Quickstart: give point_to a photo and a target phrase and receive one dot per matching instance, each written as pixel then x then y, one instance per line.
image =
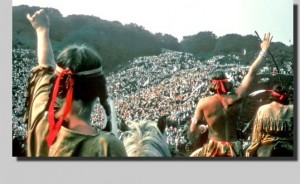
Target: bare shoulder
pixel 205 101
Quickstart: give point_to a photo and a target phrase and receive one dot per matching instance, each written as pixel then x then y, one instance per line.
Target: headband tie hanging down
pixel 61 72
pixel 220 83
pixel 55 126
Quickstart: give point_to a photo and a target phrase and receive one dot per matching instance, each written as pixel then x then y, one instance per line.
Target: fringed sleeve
pixel 271 124
pixel 256 135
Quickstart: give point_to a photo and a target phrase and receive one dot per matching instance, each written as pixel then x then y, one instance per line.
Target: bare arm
pixel 40 22
pixel 198 116
pixel 242 90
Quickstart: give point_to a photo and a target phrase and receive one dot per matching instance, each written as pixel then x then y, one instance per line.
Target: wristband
pixel 262 53
pixel 194 120
pixel 202 128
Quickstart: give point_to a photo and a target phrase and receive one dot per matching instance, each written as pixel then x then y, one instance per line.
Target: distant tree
pixel 168 41
pixel 23 34
pixel 282 53
pixel 116 43
pixel 57 28
pixel 230 43
pixel 249 47
pixel 119 43
pixel 250 43
pixel 203 42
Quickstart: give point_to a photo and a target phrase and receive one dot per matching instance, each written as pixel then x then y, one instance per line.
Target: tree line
pixel 118 43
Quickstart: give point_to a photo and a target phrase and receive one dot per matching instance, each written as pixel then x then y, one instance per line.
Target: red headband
pixel 61 72
pixel 220 83
pixel 274 93
pixel 55 126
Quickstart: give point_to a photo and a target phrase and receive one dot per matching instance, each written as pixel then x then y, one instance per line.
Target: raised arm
pixel 40 22
pixel 242 90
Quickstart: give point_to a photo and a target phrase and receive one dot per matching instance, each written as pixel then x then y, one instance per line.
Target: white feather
pixel 257 92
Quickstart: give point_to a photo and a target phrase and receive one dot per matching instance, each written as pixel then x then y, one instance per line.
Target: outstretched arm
pixel 40 22
pixel 242 90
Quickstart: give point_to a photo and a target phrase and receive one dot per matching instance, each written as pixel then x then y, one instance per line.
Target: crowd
pixel 22 61
pixel 169 84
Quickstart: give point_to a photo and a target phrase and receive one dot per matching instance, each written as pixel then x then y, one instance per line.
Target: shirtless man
pixel 217 113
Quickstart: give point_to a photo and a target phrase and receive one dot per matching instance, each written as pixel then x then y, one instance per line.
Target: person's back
pixel 219 113
pixel 70 143
pixel 272 131
pixel 220 117
pixel 61 96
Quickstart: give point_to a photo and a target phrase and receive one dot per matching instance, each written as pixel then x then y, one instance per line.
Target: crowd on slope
pixel 169 84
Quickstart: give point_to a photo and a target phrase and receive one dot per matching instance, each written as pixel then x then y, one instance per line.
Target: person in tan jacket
pixel 272 131
pixel 60 99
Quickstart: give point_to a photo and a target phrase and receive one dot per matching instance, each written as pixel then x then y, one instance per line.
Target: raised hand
pixel 39 20
pixel 265 44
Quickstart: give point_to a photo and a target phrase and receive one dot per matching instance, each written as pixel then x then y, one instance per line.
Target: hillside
pixel 118 43
pixel 168 84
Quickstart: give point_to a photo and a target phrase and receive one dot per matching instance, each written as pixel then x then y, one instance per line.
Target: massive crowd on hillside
pixel 22 62
pixel 169 84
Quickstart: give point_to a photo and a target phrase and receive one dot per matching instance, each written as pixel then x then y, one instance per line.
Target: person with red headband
pixel 218 113
pixel 60 99
pixel 272 130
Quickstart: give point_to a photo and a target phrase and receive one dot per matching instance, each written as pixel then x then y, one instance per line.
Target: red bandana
pixel 274 93
pixel 55 126
pixel 219 82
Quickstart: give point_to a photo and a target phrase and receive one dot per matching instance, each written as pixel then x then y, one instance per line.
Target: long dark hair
pixel 215 87
pixel 80 58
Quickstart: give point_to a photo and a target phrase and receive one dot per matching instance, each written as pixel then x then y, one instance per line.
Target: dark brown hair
pixel 214 87
pixel 284 99
pixel 80 58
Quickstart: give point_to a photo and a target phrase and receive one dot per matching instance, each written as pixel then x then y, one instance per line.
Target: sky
pixel 187 17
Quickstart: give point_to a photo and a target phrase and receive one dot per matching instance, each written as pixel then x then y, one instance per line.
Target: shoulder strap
pixel 239 133
pixel 224 108
pixel 218 98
